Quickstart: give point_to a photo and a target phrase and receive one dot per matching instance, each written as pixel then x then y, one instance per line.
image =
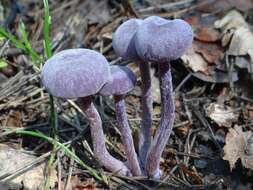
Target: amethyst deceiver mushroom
pixel 124 46
pixel 160 41
pixel 81 73
pixel 122 82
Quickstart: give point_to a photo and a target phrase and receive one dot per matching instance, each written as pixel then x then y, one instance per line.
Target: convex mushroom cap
pixel 123 39
pixel 75 73
pixel 162 40
pixel 121 82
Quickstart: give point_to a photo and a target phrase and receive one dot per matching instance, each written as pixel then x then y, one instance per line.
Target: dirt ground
pixel 211 146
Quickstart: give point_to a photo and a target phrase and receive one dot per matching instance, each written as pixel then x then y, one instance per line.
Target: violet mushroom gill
pixel 122 82
pixel 124 46
pixel 81 73
pixel 160 41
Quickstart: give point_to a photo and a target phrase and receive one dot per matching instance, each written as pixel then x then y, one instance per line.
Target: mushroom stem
pixel 126 135
pixel 145 136
pixel 97 135
pixel 167 119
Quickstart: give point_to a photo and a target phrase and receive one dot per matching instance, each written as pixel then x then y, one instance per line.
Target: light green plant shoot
pixel 28 48
pixel 47 24
pixel 3 64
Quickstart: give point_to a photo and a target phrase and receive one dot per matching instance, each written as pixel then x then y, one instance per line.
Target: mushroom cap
pixel 123 39
pixel 162 40
pixel 75 73
pixel 121 82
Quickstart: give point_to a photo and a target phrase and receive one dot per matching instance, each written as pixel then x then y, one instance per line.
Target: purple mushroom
pixel 123 81
pixel 81 73
pixel 160 41
pixel 124 46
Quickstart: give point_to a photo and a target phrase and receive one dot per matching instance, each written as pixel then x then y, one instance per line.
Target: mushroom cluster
pixel 83 73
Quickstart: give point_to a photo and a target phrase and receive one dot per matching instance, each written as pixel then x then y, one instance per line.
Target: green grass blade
pixel 35 57
pixel 47 24
pixel 23 45
pixel 12 38
pixel 65 149
pixel 48 53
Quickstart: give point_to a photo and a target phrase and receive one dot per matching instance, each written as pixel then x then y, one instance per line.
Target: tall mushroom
pixel 160 41
pixel 122 82
pixel 81 73
pixel 124 46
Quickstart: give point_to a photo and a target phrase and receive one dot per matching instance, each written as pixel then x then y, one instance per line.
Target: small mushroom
pixel 123 81
pixel 160 41
pixel 124 46
pixel 81 73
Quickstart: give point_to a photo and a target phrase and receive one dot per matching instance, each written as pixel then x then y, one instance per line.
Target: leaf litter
pixel 239 146
pixel 220 58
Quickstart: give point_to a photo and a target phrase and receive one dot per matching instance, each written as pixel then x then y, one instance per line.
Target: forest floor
pixel 211 146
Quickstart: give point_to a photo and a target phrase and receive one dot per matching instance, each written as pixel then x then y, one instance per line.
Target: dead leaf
pixel 201 56
pixel 86 187
pixel 239 145
pixel 236 32
pixel 211 6
pixel 12 160
pixel 229 24
pixel 216 76
pixel 207 34
pixel 223 116
pixel 232 20
pixel 77 184
pixel 192 174
pixel 211 52
pixel 204 27
pixel 182 130
pixel 195 61
pixel 242 42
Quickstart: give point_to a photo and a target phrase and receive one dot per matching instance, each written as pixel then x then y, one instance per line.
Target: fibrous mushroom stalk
pixel 97 135
pixel 167 119
pixel 145 136
pixel 126 135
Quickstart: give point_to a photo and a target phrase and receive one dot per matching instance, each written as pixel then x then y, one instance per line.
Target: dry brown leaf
pixel 221 115
pixel 192 174
pixel 12 160
pixel 204 28
pixel 207 34
pixel 211 52
pixel 239 145
pixel 86 187
pixel 195 61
